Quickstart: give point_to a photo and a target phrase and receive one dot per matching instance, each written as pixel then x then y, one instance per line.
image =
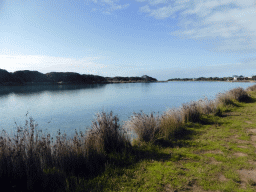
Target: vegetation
pixel 144 78
pixel 34 77
pixel 239 78
pixel 203 145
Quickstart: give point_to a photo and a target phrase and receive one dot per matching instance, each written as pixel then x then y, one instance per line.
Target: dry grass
pixel 150 128
pixel 191 112
pixel 238 94
pixel 30 160
pixel 252 88
pixel 146 127
pixel 171 124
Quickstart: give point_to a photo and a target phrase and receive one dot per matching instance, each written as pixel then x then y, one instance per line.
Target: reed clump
pixel 146 127
pixel 172 123
pixel 252 88
pixel 228 98
pixel 32 161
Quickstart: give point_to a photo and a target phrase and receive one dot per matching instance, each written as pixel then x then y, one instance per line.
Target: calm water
pixel 67 107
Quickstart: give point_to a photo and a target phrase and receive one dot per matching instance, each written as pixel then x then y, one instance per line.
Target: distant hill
pixel 31 76
pixel 70 77
pixel 27 77
pixel 144 78
pixel 7 78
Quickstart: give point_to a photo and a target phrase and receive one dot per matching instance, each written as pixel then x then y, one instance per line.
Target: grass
pixel 202 146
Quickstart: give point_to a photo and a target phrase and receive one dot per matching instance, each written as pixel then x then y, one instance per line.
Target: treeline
pixel 131 79
pixel 27 77
pixel 239 78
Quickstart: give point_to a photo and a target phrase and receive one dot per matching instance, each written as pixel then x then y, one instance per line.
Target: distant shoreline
pixel 26 77
pixel 238 81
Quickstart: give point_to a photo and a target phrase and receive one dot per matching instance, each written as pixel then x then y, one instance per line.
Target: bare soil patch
pixel 222 178
pixel 252 162
pixel 253 137
pixel 239 154
pixel 236 140
pixel 252 130
pixel 214 152
pixel 247 176
pixel 214 162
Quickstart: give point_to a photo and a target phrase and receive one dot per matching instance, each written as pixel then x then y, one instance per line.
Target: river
pixel 69 107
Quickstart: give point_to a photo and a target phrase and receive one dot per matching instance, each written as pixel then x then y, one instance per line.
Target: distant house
pixel 144 76
pixel 235 77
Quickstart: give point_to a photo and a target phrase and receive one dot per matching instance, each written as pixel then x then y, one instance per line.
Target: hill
pixel 27 77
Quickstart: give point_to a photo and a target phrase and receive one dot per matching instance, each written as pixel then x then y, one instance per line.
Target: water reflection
pixel 70 107
pixel 37 89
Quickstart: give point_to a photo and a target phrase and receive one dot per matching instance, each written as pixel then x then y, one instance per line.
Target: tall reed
pixel 228 98
pixel 149 128
pixel 251 88
pixel 171 124
pixel 146 127
pixel 32 161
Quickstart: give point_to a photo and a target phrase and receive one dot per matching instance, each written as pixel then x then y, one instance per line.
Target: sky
pixel 161 38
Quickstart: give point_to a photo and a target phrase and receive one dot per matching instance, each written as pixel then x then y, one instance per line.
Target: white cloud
pixel 108 6
pixel 145 9
pixel 229 24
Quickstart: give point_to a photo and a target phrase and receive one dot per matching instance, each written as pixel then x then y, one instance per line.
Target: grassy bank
pixel 202 146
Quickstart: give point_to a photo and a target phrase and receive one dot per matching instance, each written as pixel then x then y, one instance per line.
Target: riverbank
pixel 169 153
pixel 216 154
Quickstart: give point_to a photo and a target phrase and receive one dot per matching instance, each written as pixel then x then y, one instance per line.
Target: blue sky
pixel 161 38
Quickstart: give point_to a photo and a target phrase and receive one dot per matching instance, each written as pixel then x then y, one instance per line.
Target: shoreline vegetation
pixel 105 158
pixel 27 77
pixel 230 79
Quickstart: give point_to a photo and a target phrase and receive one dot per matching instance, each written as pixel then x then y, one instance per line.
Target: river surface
pixel 69 107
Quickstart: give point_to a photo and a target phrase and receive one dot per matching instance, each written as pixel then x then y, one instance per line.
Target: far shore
pixel 238 81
